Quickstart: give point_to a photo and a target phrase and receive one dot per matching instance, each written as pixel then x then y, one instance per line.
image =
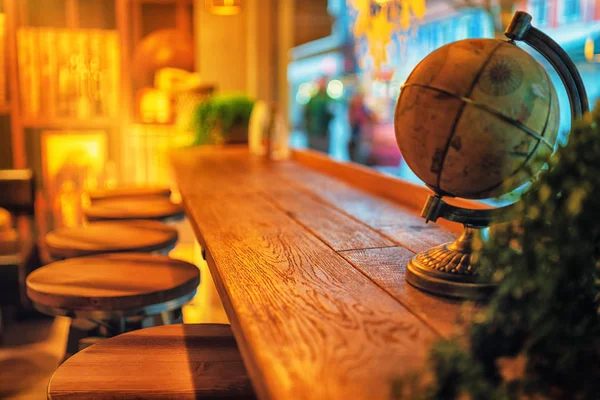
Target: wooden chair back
pixel 17 191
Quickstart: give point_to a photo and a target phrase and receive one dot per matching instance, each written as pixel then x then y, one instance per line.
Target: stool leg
pixel 89 341
pixel 75 335
pixel 1 327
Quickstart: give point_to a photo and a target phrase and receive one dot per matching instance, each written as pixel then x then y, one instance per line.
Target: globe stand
pixel 448 269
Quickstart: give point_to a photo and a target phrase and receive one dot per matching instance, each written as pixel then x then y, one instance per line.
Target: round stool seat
pixel 150 207
pixel 112 286
pixel 110 237
pixel 132 192
pixel 165 362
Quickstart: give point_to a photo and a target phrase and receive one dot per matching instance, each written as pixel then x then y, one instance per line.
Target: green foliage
pixel 539 337
pixel 223 112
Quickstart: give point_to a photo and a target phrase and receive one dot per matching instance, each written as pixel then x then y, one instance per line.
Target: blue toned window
pixel 571 11
pixel 475 25
pixel 539 11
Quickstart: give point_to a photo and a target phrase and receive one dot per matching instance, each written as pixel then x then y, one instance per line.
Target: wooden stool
pixel 128 192
pixel 110 237
pixel 166 362
pixel 150 207
pixel 117 292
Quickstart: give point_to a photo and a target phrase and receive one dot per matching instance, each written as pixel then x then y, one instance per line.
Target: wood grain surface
pixel 332 226
pixel 165 362
pixel 111 282
pixel 110 237
pixel 150 207
pixel 306 314
pixel 395 221
pixel 382 185
pixel 310 270
pixel 387 268
pixel 128 192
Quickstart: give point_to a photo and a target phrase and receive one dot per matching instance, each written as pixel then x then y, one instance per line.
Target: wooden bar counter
pixel 308 256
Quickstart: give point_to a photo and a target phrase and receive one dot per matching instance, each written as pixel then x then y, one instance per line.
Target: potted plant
pixel 223 119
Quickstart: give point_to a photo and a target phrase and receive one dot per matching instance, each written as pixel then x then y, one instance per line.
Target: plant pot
pixel 238 134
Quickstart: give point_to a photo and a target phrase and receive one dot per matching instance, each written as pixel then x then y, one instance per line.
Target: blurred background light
pixel 335 89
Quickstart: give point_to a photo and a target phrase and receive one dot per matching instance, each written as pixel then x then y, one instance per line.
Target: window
pixel 571 11
pixel 539 11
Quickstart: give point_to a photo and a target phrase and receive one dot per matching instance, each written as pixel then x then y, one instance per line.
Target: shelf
pixel 70 123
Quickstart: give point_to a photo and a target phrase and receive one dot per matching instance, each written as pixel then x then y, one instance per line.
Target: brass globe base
pixel 446 270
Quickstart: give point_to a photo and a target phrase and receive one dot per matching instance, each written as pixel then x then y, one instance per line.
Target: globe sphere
pixel 476 118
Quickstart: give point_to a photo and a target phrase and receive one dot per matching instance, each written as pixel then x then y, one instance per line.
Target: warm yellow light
pixel 155 106
pixel 72 161
pixel 223 7
pixel 68 154
pixel 378 28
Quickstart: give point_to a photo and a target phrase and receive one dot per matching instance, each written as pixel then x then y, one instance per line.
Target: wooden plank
pixel 12 8
pixel 387 268
pixel 72 13
pixel 373 181
pixel 399 223
pixel 223 169
pixel 232 170
pixel 335 228
pixel 382 185
pixel 309 325
pixel 414 234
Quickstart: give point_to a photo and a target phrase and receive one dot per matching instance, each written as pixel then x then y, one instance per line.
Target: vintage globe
pixel 476 118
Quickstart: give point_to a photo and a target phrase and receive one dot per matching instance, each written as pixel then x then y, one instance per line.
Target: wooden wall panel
pixel 247 52
pixel 221 45
pixel 312 21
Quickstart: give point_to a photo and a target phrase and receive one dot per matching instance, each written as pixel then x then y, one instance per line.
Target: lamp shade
pixel 223 7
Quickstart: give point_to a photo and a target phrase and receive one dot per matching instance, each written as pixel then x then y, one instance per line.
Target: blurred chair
pixel 123 209
pixel 110 237
pixel 19 255
pixel 17 191
pixel 128 192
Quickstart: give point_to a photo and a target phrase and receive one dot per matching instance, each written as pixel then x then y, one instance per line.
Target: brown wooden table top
pixel 149 207
pixel 110 237
pixel 309 257
pixel 111 282
pixel 165 362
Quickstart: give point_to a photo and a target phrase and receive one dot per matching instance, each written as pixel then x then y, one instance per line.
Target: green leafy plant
pixel 221 114
pixel 539 337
